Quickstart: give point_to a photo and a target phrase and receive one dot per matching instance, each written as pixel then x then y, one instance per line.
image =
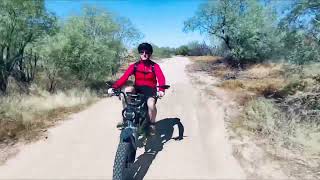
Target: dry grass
pixel 200 66
pixel 268 80
pixel 205 58
pixel 270 141
pixel 260 79
pixel 260 71
pixel 223 72
pixel 211 64
pixel 263 121
pixel 24 116
pixel 283 120
pixel 289 125
pixel 266 119
pixel 262 86
pixel 279 107
pixel 232 84
pixel 258 86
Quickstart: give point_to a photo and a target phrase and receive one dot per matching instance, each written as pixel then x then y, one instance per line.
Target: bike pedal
pixel 120 126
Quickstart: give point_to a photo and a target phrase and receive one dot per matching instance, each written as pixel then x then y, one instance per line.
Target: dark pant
pixel 146 91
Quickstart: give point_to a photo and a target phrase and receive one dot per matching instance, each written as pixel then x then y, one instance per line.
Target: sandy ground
pixel 84 146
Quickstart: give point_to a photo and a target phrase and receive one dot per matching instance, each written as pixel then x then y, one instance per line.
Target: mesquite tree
pixel 21 24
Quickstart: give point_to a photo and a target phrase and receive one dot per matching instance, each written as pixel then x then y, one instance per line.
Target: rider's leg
pixel 152 109
pixel 151 102
pixel 126 89
pixel 129 89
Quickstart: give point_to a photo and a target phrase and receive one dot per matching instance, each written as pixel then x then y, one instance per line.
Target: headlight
pixel 128 114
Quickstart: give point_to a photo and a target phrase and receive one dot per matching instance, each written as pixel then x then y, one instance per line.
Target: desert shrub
pixel 305 106
pixel 162 52
pixel 293 86
pixel 317 78
pixel 283 126
pixel 199 49
pixel 261 116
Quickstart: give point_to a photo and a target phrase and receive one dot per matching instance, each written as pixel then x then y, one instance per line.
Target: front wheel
pixel 123 158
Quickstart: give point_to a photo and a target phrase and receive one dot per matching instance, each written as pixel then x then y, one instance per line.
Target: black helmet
pixel 145 47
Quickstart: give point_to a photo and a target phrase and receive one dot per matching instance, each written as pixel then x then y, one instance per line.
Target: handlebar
pixel 118 92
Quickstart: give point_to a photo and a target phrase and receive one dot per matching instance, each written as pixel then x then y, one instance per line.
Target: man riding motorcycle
pixel 147 74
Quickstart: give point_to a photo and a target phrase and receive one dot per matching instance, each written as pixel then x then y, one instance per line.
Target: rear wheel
pixel 124 156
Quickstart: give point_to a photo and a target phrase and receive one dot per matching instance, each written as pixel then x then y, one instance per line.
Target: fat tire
pixel 122 155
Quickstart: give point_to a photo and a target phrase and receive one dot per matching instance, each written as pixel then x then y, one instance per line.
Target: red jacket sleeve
pixel 160 77
pixel 124 77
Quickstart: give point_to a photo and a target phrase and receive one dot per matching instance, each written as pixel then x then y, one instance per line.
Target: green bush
pixel 182 50
pixel 88 48
pixel 162 52
pixel 301 49
pixel 199 49
pixel 247 28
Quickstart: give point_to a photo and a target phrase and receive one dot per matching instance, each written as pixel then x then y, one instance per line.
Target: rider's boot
pixel 152 129
pixel 120 124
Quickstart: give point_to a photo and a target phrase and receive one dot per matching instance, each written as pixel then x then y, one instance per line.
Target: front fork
pixel 130 134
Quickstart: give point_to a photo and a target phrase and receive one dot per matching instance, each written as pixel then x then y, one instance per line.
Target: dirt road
pixel 84 146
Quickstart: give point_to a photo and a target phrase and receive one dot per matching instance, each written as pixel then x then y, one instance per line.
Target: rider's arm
pixel 124 77
pixel 160 77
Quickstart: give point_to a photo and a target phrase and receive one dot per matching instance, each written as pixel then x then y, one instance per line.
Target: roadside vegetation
pixel 269 63
pixel 24 117
pixel 158 52
pixel 51 67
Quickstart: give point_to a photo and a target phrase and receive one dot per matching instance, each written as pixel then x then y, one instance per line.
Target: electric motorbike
pixel 135 124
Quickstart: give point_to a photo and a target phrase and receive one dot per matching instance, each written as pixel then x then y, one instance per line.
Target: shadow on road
pixel 154 145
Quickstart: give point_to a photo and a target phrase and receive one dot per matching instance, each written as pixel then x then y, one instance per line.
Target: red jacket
pixel 143 76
